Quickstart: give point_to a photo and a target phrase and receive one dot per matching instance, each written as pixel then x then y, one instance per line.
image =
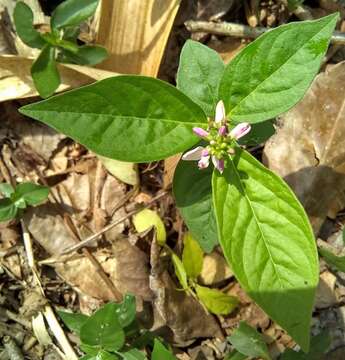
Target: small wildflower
pixel 200 132
pixel 239 130
pixel 221 141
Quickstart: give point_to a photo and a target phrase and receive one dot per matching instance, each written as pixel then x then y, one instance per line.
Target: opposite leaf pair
pixel 18 198
pixel 112 333
pixel 187 272
pixel 58 45
pixel 258 221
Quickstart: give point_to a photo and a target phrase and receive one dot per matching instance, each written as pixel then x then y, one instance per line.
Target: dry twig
pixel 93 237
pixel 242 31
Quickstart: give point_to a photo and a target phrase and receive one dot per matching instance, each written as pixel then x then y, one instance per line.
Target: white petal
pixel 204 162
pixel 194 154
pixel 220 112
pixel 215 162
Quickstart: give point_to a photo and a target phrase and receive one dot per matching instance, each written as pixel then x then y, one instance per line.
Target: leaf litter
pixel 89 196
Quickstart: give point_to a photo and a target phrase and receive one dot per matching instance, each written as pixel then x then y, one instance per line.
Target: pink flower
pixel 203 155
pixel 240 130
pixel 200 132
pixel 221 142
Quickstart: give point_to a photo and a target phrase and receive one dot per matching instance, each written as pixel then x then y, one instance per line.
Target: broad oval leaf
pixel 129 118
pixel 73 321
pixel 199 74
pixel 6 189
pixel 86 55
pixel 105 355
pixel 8 210
pixel 249 342
pixel 23 18
pixel 126 310
pixel 103 329
pixel 125 171
pixel 32 194
pixel 72 12
pixel 268 241
pixel 192 256
pixel 133 354
pixel 160 352
pixel 44 72
pixel 147 218
pixel 272 73
pixel 216 301
pixel 193 193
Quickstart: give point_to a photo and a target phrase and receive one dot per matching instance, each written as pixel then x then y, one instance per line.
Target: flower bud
pixel 200 132
pixel 240 130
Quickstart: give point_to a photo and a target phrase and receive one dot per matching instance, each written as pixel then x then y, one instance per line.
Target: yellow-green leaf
pixel 216 301
pixel 180 271
pixel 125 171
pixel 192 256
pixel 145 219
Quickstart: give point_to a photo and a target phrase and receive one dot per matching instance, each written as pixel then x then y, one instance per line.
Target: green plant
pixel 112 332
pixel 258 221
pixel 17 199
pixel 187 272
pixel 58 45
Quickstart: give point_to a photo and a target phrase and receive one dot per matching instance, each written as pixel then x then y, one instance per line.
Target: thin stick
pixel 242 31
pixel 48 311
pixel 59 333
pixel 93 237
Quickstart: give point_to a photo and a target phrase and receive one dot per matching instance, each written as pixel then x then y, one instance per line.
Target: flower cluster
pixel 221 140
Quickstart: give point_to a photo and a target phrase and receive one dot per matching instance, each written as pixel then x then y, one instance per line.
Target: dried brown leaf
pixel 175 309
pixel 308 149
pixel 16 81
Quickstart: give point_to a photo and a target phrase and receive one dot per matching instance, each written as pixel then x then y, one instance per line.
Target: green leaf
pixel 45 73
pixel 192 256
pixel 124 171
pixel 103 329
pixel 104 355
pixel 88 357
pixel 319 345
pixel 73 321
pixel 193 193
pixel 129 118
pixel 23 18
pixel 87 55
pixel 180 271
pixel 332 260
pixel 272 74
pixel 133 354
pixel 31 193
pixel 71 47
pixel 6 189
pixel 147 219
pixel 268 241
pixel 216 301
pixel 249 342
pixel 126 310
pixel 72 13
pixel 160 352
pixel 8 210
pixel 235 355
pixel 199 74
pixel 259 133
pixel 90 350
